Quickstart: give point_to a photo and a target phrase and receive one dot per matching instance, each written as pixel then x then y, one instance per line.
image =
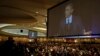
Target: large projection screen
pixel 74 17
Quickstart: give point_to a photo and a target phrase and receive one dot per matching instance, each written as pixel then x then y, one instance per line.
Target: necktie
pixel 68 25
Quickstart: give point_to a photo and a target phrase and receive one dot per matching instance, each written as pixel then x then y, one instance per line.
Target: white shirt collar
pixel 69 20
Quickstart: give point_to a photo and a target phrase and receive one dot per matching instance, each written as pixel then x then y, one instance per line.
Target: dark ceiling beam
pixel 23 10
pixel 18 20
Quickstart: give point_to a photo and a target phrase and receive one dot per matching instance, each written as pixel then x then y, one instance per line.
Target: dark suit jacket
pixel 75 28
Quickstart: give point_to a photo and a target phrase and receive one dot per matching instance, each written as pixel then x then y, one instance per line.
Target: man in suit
pixel 67 21
pixel 72 24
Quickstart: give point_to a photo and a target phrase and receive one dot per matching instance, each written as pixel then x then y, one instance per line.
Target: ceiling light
pixel 39 28
pixel 44 23
pixel 36 12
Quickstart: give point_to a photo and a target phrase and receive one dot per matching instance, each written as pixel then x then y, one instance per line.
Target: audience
pixel 11 48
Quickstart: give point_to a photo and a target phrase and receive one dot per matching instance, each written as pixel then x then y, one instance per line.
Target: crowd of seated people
pixel 66 51
pixel 11 48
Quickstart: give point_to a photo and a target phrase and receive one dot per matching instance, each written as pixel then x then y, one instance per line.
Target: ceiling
pixel 28 14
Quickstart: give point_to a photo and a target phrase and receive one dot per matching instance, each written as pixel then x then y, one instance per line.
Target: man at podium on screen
pixel 73 24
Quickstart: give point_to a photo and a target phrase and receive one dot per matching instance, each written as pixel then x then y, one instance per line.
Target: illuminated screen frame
pixel 69 36
pixel 30 33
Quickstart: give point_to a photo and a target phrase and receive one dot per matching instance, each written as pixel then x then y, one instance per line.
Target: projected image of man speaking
pixel 73 25
pixel 74 18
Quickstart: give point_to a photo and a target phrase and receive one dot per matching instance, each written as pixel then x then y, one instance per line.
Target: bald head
pixel 68 10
